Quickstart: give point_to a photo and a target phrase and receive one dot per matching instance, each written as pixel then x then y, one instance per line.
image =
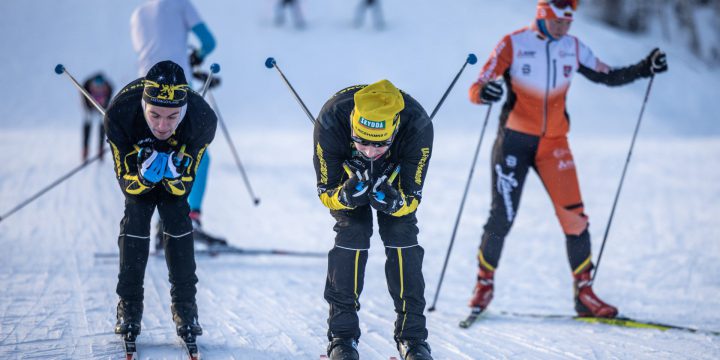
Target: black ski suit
pixel 127 132
pixel 411 149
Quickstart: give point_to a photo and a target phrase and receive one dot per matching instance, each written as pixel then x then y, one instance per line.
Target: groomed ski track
pixel 661 261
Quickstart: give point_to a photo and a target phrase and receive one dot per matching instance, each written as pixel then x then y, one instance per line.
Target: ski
pixel 191 347
pixel 216 250
pixel 130 348
pixel 474 314
pixel 618 321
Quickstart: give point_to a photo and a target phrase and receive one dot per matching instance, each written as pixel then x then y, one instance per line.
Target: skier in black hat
pixel 158 130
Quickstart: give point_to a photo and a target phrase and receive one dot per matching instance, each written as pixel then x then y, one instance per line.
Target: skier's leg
pixel 179 248
pixel 403 272
pixel 556 167
pixel 180 259
pixel 197 192
pixel 346 271
pixel 297 15
pixel 134 245
pixel 512 155
pixel 360 13
pixel 101 137
pixel 379 19
pixel 85 136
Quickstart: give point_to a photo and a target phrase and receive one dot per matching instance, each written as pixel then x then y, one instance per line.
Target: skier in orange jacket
pixel 537 64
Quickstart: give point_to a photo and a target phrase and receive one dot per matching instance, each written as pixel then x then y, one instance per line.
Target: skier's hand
pixel 491 92
pixel 655 63
pixel 385 197
pixel 354 191
pixel 151 166
pixel 195 58
pixel 176 166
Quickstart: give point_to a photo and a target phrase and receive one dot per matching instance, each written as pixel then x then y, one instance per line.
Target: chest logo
pixel 526 69
pixel 567 70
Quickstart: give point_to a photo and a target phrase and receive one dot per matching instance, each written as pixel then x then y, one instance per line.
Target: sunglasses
pixel 376 144
pixel 561 4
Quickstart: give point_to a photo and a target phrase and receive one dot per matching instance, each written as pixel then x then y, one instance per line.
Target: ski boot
pixel 483 292
pixel 186 319
pixel 129 314
pixel 343 349
pixel 200 235
pixel 414 349
pixel 587 304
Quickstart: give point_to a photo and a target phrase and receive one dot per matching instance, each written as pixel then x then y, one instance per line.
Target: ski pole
pixel 214 69
pixel 460 211
pixel 270 63
pixel 471 59
pixel 622 177
pixel 256 200
pixel 60 69
pixel 47 188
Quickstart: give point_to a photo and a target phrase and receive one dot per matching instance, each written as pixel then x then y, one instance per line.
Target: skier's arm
pixel 328 167
pixel 499 61
pixel 207 41
pixel 597 71
pixel 414 162
pixel 125 155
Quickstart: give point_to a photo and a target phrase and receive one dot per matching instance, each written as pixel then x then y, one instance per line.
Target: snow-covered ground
pixel 660 263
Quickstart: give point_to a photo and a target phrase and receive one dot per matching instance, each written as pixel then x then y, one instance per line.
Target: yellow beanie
pixel 376 106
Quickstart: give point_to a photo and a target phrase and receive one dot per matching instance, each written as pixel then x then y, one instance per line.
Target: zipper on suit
pixel 547 90
pixel 554 73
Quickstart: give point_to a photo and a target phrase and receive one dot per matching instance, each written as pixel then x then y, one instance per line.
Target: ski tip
pixel 269 63
pixel 471 59
pixel 215 68
pixel 59 69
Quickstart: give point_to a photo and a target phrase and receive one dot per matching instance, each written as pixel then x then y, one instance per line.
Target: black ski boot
pixel 343 349
pixel 185 315
pixel 129 314
pixel 413 349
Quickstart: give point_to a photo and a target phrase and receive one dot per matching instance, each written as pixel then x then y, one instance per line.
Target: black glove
pixel 354 191
pixel 385 197
pixel 202 76
pixel 195 58
pixel 654 63
pixel 175 166
pixel 491 92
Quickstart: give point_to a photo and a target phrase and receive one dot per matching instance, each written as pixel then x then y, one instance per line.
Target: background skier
pixel 537 64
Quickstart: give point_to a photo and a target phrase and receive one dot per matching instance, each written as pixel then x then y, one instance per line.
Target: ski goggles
pixel 561 4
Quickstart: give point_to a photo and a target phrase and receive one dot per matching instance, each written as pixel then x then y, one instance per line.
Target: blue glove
pixel 175 166
pixel 151 166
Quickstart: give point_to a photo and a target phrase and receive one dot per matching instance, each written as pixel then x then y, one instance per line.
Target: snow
pixel 660 261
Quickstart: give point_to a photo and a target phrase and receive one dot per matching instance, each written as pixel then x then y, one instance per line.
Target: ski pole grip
pixel 269 62
pixel 471 59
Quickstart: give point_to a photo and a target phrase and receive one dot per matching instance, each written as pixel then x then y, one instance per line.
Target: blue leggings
pixel 198 189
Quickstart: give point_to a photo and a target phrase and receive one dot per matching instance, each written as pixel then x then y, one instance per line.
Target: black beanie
pixel 165 85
